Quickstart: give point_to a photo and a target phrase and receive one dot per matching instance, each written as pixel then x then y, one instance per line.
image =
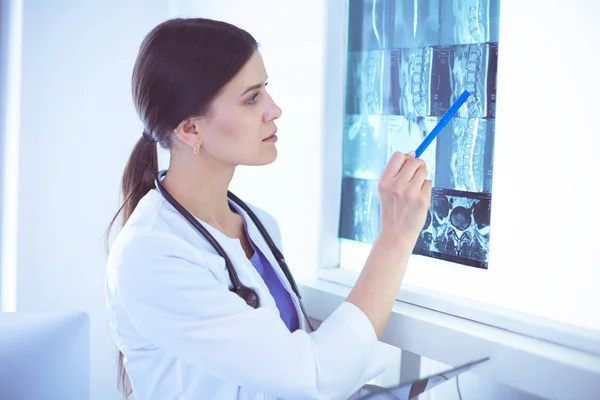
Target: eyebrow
pixel 254 87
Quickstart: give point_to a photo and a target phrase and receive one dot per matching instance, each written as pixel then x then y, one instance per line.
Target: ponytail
pixel 137 181
pixel 138 178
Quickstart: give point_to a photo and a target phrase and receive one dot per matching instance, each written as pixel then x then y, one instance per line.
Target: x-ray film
pixel 441 93
pixel 366 25
pixel 457 228
pixel 359 217
pixel 469 21
pixel 415 23
pixel 407 63
pixel 464 156
pixel 364 146
pixel 410 82
pixel 365 78
pixel 474 68
pixel 464 67
pixel 426 81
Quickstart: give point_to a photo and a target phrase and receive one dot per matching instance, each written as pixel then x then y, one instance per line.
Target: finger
pixel 420 176
pixel 426 188
pixel 394 165
pixel 409 168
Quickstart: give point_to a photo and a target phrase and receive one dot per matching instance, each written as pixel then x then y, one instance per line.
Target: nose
pixel 273 111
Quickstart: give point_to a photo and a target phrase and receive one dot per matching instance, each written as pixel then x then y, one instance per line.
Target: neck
pixel 201 188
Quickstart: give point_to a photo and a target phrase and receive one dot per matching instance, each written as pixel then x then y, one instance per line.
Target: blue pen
pixel 442 123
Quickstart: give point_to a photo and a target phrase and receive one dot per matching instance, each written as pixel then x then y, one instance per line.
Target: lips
pixel 271 136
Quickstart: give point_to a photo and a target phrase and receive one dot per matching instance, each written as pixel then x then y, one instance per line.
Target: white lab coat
pixel 186 336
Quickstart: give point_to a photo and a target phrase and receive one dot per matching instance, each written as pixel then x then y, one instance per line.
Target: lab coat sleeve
pixel 176 302
pixel 377 363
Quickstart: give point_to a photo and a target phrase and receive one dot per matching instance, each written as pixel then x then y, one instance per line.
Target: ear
pixel 188 131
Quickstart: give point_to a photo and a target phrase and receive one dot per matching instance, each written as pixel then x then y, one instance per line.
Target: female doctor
pixel 186 326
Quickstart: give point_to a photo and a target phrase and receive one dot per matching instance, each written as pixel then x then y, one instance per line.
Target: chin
pixel 270 159
pixel 265 158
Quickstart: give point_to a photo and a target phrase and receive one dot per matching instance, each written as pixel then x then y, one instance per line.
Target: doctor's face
pixel 240 126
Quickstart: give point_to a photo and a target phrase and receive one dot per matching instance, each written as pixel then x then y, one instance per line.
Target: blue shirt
pixel 284 302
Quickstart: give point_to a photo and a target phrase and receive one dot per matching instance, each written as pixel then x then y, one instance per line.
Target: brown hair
pixel 181 66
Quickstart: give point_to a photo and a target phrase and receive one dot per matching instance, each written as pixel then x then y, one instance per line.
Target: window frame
pixel 11 23
pixel 331 268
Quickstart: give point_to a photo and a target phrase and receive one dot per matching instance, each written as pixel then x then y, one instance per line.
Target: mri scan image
pixel 464 156
pixel 415 23
pixel 359 217
pixel 366 25
pixel 474 68
pixel 457 228
pixel 407 63
pixel 405 134
pixel 466 67
pixel 365 91
pixel 469 21
pixel 410 82
pixel 426 81
pixel 441 88
pixel 364 146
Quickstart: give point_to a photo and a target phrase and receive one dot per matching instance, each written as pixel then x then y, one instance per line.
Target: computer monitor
pixel 410 390
pixel 44 356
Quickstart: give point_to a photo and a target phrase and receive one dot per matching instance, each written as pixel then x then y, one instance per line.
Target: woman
pixel 183 333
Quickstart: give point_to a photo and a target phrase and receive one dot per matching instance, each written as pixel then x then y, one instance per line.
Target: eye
pixel 252 99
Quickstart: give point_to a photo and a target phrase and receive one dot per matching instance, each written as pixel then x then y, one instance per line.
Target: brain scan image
pixel 366 19
pixel 410 71
pixel 457 228
pixel 469 21
pixel 359 217
pixel 365 90
pixel 364 147
pixel 406 134
pixel 464 156
pixel 415 23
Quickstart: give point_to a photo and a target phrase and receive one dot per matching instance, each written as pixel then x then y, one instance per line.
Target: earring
pixel 197 148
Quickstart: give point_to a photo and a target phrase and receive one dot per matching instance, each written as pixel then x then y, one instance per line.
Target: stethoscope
pixel 248 294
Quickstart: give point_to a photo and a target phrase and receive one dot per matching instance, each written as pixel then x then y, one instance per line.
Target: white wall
pixel 5 39
pixel 78 127
pixel 10 102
